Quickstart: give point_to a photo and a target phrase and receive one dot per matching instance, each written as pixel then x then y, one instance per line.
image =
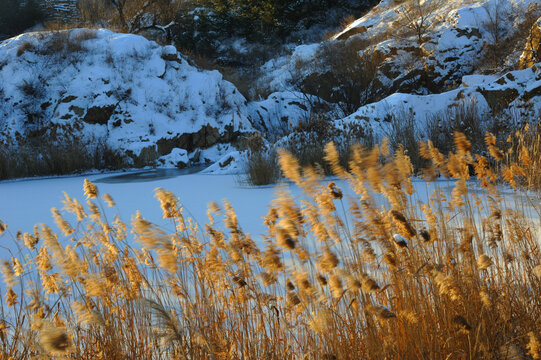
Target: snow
pixel 177 158
pixel 28 202
pixel 478 80
pixel 455 43
pixel 232 163
pixel 280 112
pixel 277 73
pixel 376 116
pixel 152 91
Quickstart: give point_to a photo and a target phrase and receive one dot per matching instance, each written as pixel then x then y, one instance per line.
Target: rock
pixel 352 32
pixel 196 156
pixel 534 91
pixel 99 115
pixel 68 99
pixel 120 94
pixel 146 156
pixel 226 162
pixel 499 100
pixel 177 158
pixel 231 163
pixel 206 137
pixel 77 110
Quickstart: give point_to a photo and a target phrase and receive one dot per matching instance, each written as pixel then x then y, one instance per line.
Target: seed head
pixel 369 284
pixel 381 312
pixel 462 144
pixel 284 240
pixel 335 191
pixel 462 323
pixel 328 261
pixel 109 200
pixel 91 190
pixel 335 283
pixel 292 299
pixel 537 271
pixel 55 340
pixel 3 227
pixel 483 262
pixel 400 241
pixel 534 346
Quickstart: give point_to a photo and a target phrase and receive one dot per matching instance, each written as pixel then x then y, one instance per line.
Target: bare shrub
pixel 343 72
pixel 262 165
pixel 417 16
pixel 48 153
pixel 262 168
pixel 404 134
pixel 133 16
pixel 464 118
pixel 527 152
pixel 64 42
pixel 85 35
pixel 32 88
pixel 307 141
pixel 24 47
pixel 506 45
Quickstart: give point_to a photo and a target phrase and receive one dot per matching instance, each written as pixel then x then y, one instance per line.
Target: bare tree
pixel 133 16
pixel 418 16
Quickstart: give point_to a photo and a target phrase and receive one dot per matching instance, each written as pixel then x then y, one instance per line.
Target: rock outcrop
pixel 140 98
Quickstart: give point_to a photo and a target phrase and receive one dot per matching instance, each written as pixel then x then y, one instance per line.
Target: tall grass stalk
pixel 455 277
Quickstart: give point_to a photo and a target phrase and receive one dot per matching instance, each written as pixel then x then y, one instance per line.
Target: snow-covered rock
pixel 132 93
pixel 178 158
pixel 232 163
pixel 453 43
pixel 454 40
pixel 517 93
pixel 280 112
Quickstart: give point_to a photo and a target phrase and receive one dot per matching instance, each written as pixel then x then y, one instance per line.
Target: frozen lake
pixel 26 202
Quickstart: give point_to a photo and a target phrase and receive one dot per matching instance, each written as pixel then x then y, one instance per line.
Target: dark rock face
pixel 99 115
pixel 528 95
pixel 499 100
pixel 207 136
pixel 226 162
pixel 146 156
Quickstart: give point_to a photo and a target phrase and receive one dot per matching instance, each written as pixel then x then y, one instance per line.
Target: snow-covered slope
pixel 514 96
pixel 123 89
pixel 281 112
pixel 454 39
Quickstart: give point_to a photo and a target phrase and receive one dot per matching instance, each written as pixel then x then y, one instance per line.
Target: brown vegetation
pixel 53 154
pixel 344 72
pixel 457 277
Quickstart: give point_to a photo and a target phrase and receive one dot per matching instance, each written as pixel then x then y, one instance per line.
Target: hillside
pixel 138 98
pixel 430 68
pixel 413 70
pixel 414 46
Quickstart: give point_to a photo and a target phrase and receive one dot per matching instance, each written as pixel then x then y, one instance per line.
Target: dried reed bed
pixel 458 277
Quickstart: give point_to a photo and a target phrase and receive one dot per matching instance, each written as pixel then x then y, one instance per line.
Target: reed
pixel 377 275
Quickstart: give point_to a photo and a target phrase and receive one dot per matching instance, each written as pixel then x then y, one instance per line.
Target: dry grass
pixel 262 165
pixel 56 154
pixel 458 277
pixel 526 146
